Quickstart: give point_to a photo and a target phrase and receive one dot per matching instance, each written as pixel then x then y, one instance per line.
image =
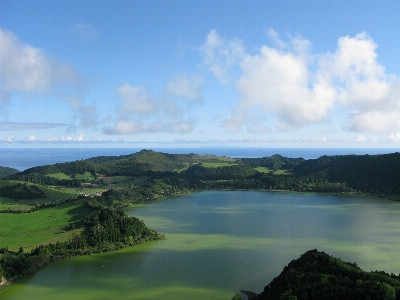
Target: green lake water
pixel 221 241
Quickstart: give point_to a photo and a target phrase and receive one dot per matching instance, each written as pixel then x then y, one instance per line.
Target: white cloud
pixel 87 114
pixel 394 138
pixel 275 38
pixel 280 82
pixel 26 68
pixel 221 54
pixel 136 100
pixel 296 88
pixel 363 84
pixel 31 138
pixel 9 139
pixel 141 113
pixel 361 139
pixel 186 86
pixel 79 138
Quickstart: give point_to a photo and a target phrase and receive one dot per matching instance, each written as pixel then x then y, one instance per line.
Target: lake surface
pixel 221 241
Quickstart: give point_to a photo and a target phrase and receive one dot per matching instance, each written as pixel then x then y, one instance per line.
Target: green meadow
pixel 267 170
pixel 62 176
pixel 217 164
pixel 52 193
pixel 42 226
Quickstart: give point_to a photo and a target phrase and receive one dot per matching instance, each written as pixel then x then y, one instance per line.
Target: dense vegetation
pixel 21 191
pixel 317 275
pixel 139 163
pixel 373 174
pixel 221 173
pixel 5 171
pixel 275 162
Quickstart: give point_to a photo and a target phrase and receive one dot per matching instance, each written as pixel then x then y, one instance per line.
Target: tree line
pixel 104 229
pixel 22 191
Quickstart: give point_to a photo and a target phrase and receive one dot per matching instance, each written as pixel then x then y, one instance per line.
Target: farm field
pixel 52 193
pixel 46 225
pixel 217 164
pixel 266 170
pixel 64 176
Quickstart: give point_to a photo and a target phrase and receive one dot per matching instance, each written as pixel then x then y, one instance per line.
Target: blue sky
pixel 200 73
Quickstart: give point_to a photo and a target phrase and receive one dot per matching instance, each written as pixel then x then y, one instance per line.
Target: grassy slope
pixel 52 193
pixel 30 229
pixel 216 165
pixel 61 176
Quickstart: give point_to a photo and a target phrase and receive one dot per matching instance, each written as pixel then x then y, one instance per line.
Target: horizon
pixel 193 74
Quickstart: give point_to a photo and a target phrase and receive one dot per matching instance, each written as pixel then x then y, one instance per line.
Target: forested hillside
pixel 5 171
pixel 140 162
pixel 317 275
pixel 365 173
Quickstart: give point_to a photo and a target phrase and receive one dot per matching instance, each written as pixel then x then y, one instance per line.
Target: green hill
pixel 317 275
pixel 5 171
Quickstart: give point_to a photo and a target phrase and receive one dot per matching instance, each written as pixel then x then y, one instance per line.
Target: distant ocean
pixel 24 158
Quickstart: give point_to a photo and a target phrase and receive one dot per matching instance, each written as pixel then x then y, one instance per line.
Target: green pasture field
pixel 284 172
pixel 266 170
pixel 121 182
pixel 61 176
pixel 86 175
pixel 28 230
pixel 6 183
pixel 263 170
pixel 216 165
pixel 214 158
pixel 182 169
pixel 52 193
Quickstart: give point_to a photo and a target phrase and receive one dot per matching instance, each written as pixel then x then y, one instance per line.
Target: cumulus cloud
pixel 136 100
pixel 275 38
pixel 394 138
pixel 139 112
pixel 187 87
pixel 79 138
pixel 87 114
pixel 280 82
pixel 9 139
pixel 220 54
pixel 363 84
pixel 361 139
pixel 27 69
pixel 296 88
